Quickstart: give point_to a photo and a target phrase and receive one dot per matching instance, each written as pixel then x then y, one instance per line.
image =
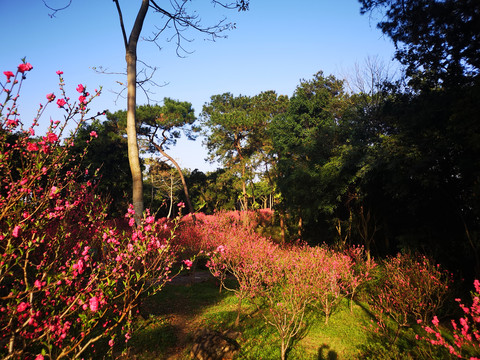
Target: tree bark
pixel 244 189
pixel 133 153
pixel 282 226
pixel 131 59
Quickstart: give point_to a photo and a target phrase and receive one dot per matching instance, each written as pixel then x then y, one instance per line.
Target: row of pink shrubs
pixel 287 282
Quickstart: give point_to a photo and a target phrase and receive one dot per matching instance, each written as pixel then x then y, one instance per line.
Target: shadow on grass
pixel 325 354
pixel 161 328
pixel 393 343
pixel 153 339
pixel 182 297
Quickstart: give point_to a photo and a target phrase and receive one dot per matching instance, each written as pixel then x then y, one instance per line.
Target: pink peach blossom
pixel 8 74
pixel 93 302
pixel 24 67
pixel 61 103
pixel 32 147
pixel 15 231
pixel 22 306
pixel 150 219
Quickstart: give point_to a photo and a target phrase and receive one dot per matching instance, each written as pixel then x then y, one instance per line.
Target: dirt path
pixel 180 314
pixel 183 330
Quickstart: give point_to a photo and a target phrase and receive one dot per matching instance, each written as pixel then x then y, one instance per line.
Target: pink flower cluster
pixel 82 272
pixel 466 332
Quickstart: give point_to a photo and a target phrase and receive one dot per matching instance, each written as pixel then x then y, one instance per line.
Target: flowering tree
pixel 68 277
pixel 409 288
pixel 241 253
pixel 284 283
pixel 329 273
pixel 286 293
pixel 466 335
pixel 361 269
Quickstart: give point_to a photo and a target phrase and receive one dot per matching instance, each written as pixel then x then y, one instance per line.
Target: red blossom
pixel 32 147
pixel 80 88
pixel 15 231
pixel 61 102
pixel 59 72
pixel 8 74
pixel 150 219
pixel 50 97
pixel 24 67
pixel 22 306
pixel 12 122
pixel 51 137
pixel 93 302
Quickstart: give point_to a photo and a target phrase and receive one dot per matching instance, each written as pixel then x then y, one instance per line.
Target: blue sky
pixel 274 45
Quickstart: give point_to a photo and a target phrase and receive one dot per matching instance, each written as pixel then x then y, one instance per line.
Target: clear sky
pixel 274 46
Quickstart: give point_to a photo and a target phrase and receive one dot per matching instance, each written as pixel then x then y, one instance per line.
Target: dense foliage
pixel 68 276
pixel 378 184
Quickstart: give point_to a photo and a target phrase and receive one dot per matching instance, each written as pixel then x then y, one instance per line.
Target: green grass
pixel 202 303
pixel 153 338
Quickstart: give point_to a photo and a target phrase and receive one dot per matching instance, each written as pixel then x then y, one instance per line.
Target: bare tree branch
pixel 55 10
pixel 179 20
pixel 240 5
pixel 143 78
pixel 124 34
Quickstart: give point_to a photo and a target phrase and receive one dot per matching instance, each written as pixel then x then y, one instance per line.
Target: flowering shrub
pixel 408 288
pixel 285 294
pixel 284 283
pixel 330 273
pixel 238 251
pixel 361 270
pixel 466 332
pixel 67 276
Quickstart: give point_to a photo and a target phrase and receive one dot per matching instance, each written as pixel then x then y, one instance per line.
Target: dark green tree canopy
pixel 438 41
pixel 236 130
pixel 107 152
pixel 165 122
pixel 307 139
pixel 161 126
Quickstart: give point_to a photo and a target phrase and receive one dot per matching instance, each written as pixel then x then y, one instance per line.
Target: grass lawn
pixel 171 317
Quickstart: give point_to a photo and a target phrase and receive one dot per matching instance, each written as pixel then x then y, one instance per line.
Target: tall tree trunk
pixel 133 153
pixel 171 197
pixel 244 190
pixel 131 59
pixel 282 226
pixel 300 226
